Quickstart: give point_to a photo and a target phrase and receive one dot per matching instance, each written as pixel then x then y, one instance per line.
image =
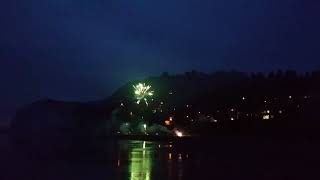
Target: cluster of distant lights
pixel 290 97
pixel 266 114
pixel 143 92
pixel 232 110
pixel 178 133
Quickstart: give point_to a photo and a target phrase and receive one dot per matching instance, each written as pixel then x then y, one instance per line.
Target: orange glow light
pixel 167 122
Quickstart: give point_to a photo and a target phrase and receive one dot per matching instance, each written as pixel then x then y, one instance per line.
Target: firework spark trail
pixel 142 92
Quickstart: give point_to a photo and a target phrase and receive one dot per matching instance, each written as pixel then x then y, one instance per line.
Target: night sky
pixel 85 49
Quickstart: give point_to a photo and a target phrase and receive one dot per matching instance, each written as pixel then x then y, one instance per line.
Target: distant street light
pixel 179 133
pixel 145 128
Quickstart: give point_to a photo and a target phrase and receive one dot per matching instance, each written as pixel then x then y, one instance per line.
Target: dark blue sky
pixel 84 49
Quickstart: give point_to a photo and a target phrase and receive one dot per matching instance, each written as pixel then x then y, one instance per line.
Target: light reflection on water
pixel 141 158
pixel 224 158
pixel 144 160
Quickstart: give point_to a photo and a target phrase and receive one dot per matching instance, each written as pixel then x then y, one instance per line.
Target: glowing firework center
pixel 142 92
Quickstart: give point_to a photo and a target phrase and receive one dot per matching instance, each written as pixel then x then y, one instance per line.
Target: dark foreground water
pixel 218 158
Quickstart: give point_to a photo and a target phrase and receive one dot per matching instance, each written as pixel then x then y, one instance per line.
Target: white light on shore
pixel 266 117
pixel 179 133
